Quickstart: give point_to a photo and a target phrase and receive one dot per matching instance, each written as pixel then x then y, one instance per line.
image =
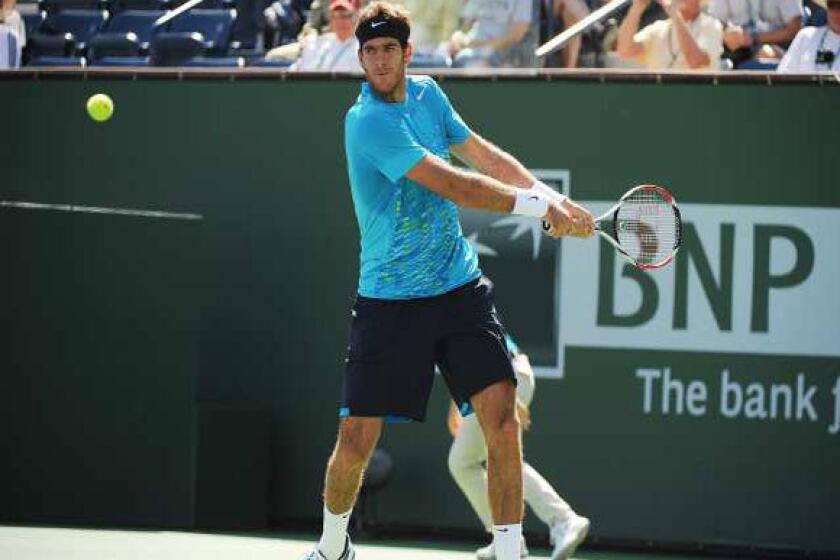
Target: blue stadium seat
pixel 51 6
pixel 73 26
pixel 45 44
pixel 215 62
pixel 175 48
pixel 123 5
pixel 120 61
pixel 209 4
pixel 214 25
pixel 113 44
pixel 762 66
pixel 72 61
pixel 273 63
pixel 32 21
pixel 139 22
pixel 250 21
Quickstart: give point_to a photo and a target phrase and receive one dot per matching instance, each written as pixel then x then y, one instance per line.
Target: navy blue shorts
pixel 395 345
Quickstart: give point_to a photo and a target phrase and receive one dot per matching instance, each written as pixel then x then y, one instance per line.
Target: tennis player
pixel 422 299
pixel 467 459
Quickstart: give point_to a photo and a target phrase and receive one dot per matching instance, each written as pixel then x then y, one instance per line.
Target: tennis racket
pixel 644 226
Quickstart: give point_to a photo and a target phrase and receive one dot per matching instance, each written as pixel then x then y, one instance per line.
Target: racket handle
pixel 547 229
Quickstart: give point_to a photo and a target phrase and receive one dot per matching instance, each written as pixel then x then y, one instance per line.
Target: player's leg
pixel 357 438
pixel 389 373
pixel 495 407
pixel 466 464
pixel 476 366
pixel 355 443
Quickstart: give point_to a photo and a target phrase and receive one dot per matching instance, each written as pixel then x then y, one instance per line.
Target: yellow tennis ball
pixel 100 107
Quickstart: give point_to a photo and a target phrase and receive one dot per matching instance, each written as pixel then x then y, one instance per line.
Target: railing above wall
pixel 548 75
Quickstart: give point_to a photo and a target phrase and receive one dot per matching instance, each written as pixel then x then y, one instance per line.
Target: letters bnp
pixel 717 286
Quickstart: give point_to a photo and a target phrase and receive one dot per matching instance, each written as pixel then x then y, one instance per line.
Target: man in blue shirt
pixel 422 299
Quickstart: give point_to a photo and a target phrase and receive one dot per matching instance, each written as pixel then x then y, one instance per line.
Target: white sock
pixel 334 533
pixel 506 540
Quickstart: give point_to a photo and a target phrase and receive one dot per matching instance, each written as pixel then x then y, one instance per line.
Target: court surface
pixel 31 543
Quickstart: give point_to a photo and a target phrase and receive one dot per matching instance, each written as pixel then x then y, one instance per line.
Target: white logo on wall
pixel 748 280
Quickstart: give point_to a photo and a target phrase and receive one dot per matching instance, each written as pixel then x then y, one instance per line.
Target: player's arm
pixel 464 188
pixel 473 190
pixel 489 159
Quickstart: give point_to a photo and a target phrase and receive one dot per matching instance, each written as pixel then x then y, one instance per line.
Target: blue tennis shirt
pixel 411 240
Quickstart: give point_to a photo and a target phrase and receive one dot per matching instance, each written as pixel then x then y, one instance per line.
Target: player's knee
pixel 502 426
pixel 510 426
pixel 356 441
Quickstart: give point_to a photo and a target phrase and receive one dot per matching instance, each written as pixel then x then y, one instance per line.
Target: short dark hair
pixel 383 19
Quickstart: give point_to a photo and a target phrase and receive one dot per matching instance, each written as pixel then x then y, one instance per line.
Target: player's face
pixel 384 60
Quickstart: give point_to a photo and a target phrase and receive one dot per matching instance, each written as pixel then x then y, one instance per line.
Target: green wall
pixel 117 326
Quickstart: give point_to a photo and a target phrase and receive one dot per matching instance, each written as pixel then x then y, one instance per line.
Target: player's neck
pixel 396 95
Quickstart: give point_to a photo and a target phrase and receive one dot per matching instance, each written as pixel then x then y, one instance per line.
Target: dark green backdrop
pixel 115 328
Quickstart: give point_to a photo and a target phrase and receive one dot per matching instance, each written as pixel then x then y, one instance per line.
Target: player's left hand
pixel 583 224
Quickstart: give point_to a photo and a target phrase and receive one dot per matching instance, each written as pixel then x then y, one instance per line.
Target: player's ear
pixel 407 52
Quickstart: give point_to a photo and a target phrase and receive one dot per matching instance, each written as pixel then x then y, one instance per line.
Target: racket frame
pixel 607 226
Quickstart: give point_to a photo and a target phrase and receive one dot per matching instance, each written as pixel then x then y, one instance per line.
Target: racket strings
pixel 647 227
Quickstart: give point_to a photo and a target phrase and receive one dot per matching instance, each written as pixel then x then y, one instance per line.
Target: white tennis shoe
pixel 567 536
pixel 489 551
pixel 348 554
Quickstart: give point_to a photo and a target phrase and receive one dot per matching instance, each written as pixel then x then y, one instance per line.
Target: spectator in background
pixel 12 34
pixel 500 33
pixel 332 51
pixel 571 12
pixel 816 49
pixel 283 19
pixel 318 18
pixel 688 39
pixel 433 22
pixel 336 50
pixel 757 28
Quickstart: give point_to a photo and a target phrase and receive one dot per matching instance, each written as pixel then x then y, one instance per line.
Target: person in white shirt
pixel 498 34
pixel 688 39
pixel 761 28
pixel 336 50
pixel 816 49
pixel 12 35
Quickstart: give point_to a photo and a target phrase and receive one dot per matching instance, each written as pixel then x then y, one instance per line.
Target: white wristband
pixel 530 203
pixel 552 195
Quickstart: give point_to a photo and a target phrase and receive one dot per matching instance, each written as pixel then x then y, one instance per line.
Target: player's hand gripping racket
pixel 644 226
